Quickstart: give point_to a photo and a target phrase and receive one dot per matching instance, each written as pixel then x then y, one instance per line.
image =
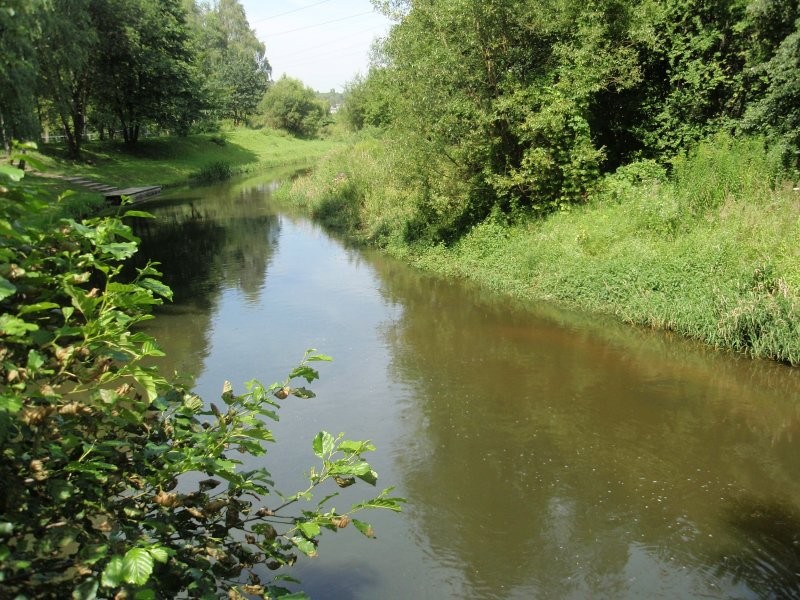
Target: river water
pixel 544 454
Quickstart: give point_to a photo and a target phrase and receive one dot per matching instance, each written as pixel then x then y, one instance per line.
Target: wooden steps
pixel 114 195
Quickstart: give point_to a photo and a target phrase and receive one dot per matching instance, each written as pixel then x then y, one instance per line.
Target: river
pixel 544 454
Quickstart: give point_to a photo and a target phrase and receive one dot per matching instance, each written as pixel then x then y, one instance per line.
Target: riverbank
pixel 172 161
pixel 711 252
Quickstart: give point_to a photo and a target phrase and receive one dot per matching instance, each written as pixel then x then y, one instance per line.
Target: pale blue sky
pixel 323 43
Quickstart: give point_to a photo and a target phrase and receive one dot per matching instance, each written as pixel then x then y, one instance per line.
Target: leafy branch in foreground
pixel 117 482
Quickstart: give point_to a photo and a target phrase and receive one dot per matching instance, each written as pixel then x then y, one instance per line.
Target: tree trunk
pixel 4 135
pixel 73 147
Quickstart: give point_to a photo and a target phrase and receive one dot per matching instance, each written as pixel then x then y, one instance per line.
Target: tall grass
pixel 711 251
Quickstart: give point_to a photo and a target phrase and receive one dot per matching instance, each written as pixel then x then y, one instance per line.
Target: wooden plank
pixel 134 193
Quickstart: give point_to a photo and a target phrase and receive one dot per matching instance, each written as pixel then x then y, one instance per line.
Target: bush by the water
pixel 681 252
pixel 117 482
pixel 214 172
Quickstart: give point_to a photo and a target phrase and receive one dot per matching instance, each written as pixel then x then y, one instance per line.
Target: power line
pixel 323 58
pixel 289 12
pixel 307 49
pixel 272 35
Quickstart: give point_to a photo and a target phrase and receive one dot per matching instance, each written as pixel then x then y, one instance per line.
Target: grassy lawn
pixel 171 161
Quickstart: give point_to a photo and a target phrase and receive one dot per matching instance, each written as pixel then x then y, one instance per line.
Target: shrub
pixel 214 172
pixel 118 482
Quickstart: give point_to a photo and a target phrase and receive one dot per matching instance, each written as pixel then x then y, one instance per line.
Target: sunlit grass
pixel 712 252
pixel 174 160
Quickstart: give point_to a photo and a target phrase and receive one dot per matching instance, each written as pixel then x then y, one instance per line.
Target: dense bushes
pixel 522 107
pixel 687 252
pixel 293 107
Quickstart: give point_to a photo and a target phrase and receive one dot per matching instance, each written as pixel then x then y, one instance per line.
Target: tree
pixel 66 58
pixel 368 100
pixel 233 59
pixel 18 69
pixel 778 111
pixel 493 100
pixel 145 71
pixel 290 105
pixel 693 73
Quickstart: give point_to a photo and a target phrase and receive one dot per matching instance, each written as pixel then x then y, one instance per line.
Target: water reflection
pixel 545 454
pixel 560 462
pixel 221 240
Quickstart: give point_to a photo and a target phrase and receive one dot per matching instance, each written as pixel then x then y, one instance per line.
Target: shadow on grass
pixel 156 161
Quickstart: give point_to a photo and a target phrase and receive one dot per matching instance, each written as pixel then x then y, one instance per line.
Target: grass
pixel 172 161
pixel 712 252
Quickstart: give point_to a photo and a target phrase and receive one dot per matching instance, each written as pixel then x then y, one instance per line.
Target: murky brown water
pixel 544 454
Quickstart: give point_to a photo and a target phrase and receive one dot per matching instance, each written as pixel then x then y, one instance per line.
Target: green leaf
pixel 60 489
pixel 364 528
pixel 6 288
pixel 305 546
pixel 323 444
pixel 303 393
pixel 144 595
pixel 355 447
pixel 382 501
pixel 10 325
pixel 120 250
pixel 38 307
pixel 12 173
pixel 9 403
pixel 305 372
pixel 92 554
pixel 86 590
pixel 137 566
pixel 138 213
pixel 159 554
pixel 112 574
pixel 156 287
pixel 150 348
pixel 35 360
pixel 370 476
pixel 309 529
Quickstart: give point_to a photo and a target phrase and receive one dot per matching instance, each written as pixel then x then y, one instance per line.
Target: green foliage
pixel 522 106
pixel 693 58
pixel 778 111
pixel 18 71
pixel 118 482
pixel 214 172
pixel 144 72
pixel 174 160
pixel 67 51
pixel 764 319
pixel 676 252
pixel 234 60
pixel 367 101
pixel 356 189
pixel 293 107
pixel 491 103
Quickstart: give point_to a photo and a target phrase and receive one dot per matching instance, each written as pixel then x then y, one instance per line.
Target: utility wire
pixel 307 49
pixel 318 59
pixel 288 12
pixel 272 35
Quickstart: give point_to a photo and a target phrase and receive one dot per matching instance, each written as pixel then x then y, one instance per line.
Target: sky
pixel 323 43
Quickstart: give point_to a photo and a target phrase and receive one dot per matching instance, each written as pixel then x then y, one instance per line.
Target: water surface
pixel 544 454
